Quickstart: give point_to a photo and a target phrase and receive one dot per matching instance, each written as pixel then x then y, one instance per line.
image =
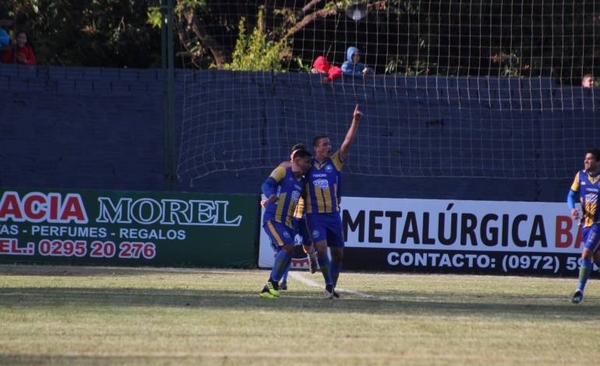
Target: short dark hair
pixel 299 146
pixel 296 148
pixel 317 138
pixel 301 154
pixel 595 153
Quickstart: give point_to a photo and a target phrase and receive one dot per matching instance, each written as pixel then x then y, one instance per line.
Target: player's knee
pixel 587 254
pixel 288 248
pixel 321 248
pixel 337 255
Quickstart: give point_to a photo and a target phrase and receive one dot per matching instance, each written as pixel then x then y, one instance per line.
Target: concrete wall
pixel 81 128
pixel 462 138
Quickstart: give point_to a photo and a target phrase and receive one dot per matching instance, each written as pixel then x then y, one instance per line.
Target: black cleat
pixel 577 297
pixel 329 291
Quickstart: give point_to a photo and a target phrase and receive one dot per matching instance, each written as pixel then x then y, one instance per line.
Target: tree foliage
pixel 418 37
pixel 107 33
pixel 255 52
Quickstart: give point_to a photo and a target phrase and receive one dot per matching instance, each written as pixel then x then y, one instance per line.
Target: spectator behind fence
pixel 587 81
pixel 352 66
pixel 21 52
pixel 4 39
pixel 321 66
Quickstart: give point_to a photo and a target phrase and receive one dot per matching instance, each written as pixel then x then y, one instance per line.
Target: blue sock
pixel 282 260
pixel 335 273
pixel 325 268
pixel 585 268
pixel 286 271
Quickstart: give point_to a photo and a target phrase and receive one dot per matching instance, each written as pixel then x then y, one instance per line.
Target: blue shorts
pixel 326 226
pixel 279 234
pixel 591 237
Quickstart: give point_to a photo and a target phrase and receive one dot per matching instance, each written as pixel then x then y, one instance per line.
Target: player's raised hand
pixel 357 113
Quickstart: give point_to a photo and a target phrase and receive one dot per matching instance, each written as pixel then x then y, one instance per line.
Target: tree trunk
pixel 209 42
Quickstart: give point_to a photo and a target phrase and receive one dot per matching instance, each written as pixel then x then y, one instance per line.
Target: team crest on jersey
pixel 315 234
pixel 328 168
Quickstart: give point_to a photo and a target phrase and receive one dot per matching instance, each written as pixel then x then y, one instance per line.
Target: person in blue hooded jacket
pixel 4 39
pixel 352 66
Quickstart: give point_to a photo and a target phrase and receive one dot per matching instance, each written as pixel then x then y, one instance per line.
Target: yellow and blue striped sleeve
pixel 575 185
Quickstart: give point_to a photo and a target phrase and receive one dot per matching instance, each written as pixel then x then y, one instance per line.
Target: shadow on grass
pixel 61 360
pixel 393 303
pixel 98 271
pixel 383 302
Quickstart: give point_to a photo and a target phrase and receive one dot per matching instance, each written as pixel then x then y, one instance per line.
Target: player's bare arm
pixel 351 134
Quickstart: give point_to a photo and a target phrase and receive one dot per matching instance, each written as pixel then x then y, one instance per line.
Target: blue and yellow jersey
pixel 588 187
pixel 289 189
pixel 322 185
pixel 299 212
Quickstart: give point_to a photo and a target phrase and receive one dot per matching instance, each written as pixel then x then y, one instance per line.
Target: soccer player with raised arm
pixel 283 188
pixel 586 187
pixel 322 203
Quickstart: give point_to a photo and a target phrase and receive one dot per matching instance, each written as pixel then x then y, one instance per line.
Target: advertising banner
pixel 453 236
pixel 127 228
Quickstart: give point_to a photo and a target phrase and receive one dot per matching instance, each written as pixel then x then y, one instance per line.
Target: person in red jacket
pixel 21 53
pixel 321 66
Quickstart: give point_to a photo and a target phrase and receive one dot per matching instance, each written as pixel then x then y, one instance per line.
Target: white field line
pixel 312 283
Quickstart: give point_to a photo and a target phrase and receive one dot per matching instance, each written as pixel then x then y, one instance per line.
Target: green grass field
pixel 143 316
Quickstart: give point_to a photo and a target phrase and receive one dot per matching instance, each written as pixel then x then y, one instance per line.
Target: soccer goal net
pixel 448 88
